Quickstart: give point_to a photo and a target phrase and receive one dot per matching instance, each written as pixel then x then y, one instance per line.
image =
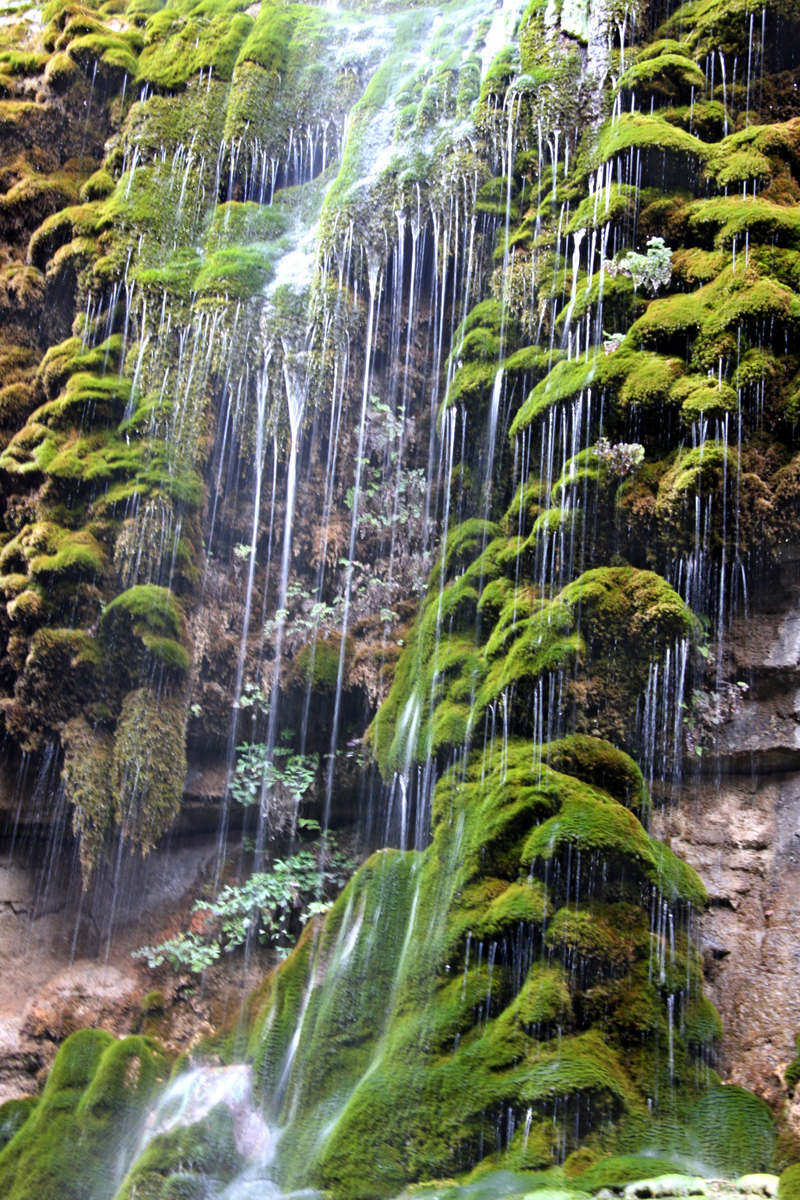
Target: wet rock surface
pixel 738 823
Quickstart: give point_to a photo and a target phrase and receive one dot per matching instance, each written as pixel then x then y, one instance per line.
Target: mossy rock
pixel 317 664
pixel 185 1162
pixel 96 1093
pixel 144 623
pixel 789 1185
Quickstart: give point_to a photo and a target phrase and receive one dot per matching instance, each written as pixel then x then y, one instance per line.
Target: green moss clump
pixel 789 1186
pixel 236 271
pixel 596 762
pixel 617 1170
pixel 239 224
pixel 61 674
pixel 149 764
pixel 13 1115
pixel 317 664
pixel 96 1093
pixel 97 186
pixel 735 1130
pixel 642 132
pixel 177 48
pixel 145 623
pixel 564 382
pixel 87 785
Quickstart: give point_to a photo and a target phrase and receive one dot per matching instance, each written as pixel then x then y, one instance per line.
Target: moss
pixel 317 664
pixel 564 382
pixel 87 398
pixel 87 786
pixel 590 822
pixel 413 1032
pixel 638 131
pixel 699 396
pixel 493 199
pixel 618 1170
pixel 97 186
pixel 236 224
pixel 33 198
pixel 789 1186
pixel 610 204
pixel 238 271
pixel 176 49
pixel 735 1130
pixel 704 1025
pixel 185 1161
pixel 85 220
pixel 51 555
pixel 598 762
pixel 668 74
pixel 145 623
pixel 470 382
pixel 647 380
pixel 17 364
pixel 113 54
pixel 153 1002
pixel 97 1091
pixel 17 402
pixel 149 764
pixel 13 1115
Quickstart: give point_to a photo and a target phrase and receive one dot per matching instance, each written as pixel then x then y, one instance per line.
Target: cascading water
pixel 423 414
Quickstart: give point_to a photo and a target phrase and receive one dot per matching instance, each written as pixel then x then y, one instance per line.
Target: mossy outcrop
pixel 529 914
pixel 95 1097
pixel 217 267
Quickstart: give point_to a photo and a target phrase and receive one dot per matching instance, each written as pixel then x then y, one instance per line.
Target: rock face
pixel 738 824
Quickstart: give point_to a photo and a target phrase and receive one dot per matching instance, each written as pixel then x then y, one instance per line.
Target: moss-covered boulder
pixel 74 1140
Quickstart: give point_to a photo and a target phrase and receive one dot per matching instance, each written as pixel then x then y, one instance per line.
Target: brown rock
pixel 87 994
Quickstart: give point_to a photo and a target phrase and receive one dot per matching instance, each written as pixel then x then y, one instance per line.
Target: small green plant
pixel 187 950
pixel 256 771
pixel 620 459
pixel 271 905
pixel 651 271
pixel 253 697
pixel 242 550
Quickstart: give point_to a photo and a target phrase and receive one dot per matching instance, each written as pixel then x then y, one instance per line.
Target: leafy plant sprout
pixel 271 905
pixel 652 270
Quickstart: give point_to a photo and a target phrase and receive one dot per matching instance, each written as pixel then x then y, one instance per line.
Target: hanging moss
pixel 149 764
pixel 87 785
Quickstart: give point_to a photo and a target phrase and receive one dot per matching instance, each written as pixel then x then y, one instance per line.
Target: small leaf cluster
pixel 271 905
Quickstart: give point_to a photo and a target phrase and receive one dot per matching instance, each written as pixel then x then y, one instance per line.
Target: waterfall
pixel 400 493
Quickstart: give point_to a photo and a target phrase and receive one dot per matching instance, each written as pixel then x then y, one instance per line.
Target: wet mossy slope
pixel 617 396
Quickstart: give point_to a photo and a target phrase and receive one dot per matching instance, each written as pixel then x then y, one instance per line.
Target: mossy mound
pixel 499 984
pixel 190 1161
pixel 142 625
pixel 618 619
pixel 789 1186
pixel 96 1094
